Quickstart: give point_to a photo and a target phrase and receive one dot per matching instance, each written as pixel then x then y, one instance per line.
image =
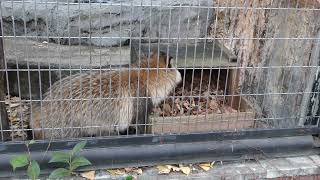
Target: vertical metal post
pixel 3 113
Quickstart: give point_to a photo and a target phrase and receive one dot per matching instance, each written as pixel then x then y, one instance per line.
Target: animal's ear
pixel 154 54
pixel 169 58
pixel 163 58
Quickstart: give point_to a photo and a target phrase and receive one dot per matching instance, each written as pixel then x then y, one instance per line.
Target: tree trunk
pixel 275 37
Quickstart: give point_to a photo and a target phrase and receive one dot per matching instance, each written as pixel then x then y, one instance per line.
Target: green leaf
pixel 59 173
pixel 128 177
pixel 32 142
pixel 77 148
pixel 33 170
pixel 78 162
pixel 19 161
pixel 60 157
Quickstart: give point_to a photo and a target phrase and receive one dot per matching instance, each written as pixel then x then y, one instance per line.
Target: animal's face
pixel 164 77
pixel 164 62
pixel 160 60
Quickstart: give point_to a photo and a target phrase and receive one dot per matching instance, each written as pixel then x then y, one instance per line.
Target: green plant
pixel 71 159
pixel 33 170
pixel 128 177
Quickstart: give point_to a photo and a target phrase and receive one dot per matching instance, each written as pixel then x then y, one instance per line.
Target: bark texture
pixel 273 34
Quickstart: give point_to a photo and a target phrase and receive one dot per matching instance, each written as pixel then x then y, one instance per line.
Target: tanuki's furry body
pixel 104 103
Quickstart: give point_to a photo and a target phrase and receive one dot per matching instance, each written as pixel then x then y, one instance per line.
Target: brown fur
pixel 89 107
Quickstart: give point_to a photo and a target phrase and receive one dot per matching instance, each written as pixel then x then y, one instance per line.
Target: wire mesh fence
pixel 75 69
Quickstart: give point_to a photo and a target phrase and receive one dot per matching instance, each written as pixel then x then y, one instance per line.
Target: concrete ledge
pixel 31 61
pixel 166 152
pixel 259 169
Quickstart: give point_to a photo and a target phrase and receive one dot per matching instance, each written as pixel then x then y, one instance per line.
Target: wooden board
pixel 205 123
pixel 190 55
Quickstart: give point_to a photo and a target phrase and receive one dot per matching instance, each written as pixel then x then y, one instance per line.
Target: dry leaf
pixel 227 109
pixel 185 169
pixel 173 168
pixel 193 104
pixel 135 170
pixel 213 105
pixel 201 100
pixel 205 166
pixel 166 109
pixel 234 110
pixel 129 169
pixel 14 105
pixel 115 172
pixel 88 175
pixel 15 99
pixel 163 169
pixel 138 171
pixel 178 107
pixel 14 119
pixel 206 94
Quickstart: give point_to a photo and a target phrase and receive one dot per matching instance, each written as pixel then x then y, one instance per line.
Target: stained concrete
pixel 259 169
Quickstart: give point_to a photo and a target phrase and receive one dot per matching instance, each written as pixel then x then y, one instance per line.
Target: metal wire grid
pixel 159 40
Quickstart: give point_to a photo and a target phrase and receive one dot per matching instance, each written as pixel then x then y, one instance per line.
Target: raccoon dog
pixel 104 103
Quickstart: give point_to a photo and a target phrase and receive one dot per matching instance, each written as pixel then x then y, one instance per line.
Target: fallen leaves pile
pixel 124 171
pixel 17 112
pixel 196 97
pixel 162 169
pixel 132 172
pixel 166 169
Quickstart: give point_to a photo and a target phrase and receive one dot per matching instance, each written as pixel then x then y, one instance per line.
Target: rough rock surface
pixel 107 24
